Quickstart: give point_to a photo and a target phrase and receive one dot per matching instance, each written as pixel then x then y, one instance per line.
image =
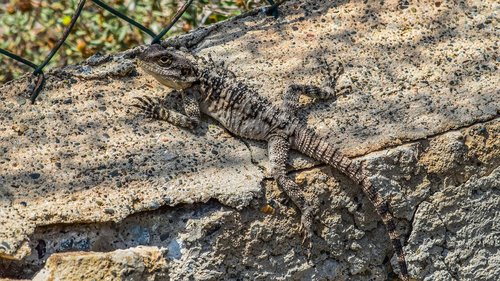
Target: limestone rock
pixel 82 171
pixel 141 263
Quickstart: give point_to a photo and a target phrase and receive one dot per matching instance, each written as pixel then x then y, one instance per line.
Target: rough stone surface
pixel 141 263
pixel 82 171
pixel 90 158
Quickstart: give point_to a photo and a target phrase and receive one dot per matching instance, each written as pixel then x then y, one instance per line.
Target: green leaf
pixel 122 34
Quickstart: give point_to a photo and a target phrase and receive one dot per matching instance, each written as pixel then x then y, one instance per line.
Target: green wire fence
pixel 38 69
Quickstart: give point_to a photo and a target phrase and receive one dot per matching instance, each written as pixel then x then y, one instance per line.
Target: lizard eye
pixel 165 60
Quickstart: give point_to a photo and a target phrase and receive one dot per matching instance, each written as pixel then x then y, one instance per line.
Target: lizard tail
pixel 309 143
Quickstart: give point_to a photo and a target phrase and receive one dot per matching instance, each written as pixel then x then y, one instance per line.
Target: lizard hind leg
pixel 278 149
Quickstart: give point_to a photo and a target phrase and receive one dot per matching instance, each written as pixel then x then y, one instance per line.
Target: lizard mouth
pixel 170 78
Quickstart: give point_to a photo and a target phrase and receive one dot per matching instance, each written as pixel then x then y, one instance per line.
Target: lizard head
pixel 169 66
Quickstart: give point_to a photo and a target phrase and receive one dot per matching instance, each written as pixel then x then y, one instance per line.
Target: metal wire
pixel 63 38
pixel 125 18
pixel 273 10
pixel 38 69
pixel 18 58
pixel 177 16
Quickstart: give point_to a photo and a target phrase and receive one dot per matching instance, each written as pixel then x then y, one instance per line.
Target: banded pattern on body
pixel 215 91
pixel 315 146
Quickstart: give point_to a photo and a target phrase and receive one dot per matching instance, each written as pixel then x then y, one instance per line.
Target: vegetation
pixel 30 28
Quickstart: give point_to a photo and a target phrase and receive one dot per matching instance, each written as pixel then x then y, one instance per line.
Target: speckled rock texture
pixel 81 170
pixel 141 263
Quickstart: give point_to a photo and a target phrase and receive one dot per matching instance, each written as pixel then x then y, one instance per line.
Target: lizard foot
pixel 306 231
pixel 343 90
pixel 333 79
pixel 333 76
pixel 336 72
pixel 151 107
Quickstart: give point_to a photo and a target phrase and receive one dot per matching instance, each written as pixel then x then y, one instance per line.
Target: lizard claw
pixel 148 105
pixel 339 70
pixel 142 102
pixel 305 229
pixel 332 74
pixel 332 78
pixel 343 90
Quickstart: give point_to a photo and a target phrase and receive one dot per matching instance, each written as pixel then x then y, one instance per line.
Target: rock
pixel 141 263
pixel 423 119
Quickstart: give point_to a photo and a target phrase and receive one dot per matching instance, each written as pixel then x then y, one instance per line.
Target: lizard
pixel 212 89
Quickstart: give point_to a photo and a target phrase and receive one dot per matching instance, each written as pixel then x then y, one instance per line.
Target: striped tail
pixel 309 143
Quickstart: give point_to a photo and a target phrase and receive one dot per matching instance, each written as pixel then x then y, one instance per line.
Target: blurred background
pixel 30 28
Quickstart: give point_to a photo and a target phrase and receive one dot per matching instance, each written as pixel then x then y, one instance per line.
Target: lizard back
pixel 241 109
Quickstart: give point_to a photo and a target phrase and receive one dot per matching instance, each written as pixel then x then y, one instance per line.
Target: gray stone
pixel 423 120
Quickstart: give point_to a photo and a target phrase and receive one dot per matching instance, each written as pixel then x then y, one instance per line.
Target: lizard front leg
pixel 278 148
pixel 155 109
pixel 191 103
pixel 327 91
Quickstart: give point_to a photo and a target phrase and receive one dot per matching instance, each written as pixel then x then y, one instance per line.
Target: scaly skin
pixel 214 90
